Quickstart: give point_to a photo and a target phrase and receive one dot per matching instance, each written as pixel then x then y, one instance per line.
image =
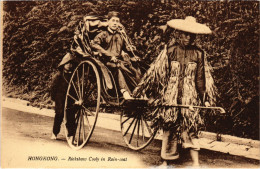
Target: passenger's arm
pixel 97 44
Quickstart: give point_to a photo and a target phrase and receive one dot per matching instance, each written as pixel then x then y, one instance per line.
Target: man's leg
pixel 123 86
pixel 190 140
pixel 169 146
pixel 70 124
pixel 57 123
pixel 194 156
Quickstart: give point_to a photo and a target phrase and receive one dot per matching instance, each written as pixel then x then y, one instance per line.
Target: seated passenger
pixel 111 45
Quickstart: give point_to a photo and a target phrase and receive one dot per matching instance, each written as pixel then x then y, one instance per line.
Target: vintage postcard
pixel 130 84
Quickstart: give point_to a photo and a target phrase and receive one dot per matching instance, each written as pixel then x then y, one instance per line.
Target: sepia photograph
pixel 130 84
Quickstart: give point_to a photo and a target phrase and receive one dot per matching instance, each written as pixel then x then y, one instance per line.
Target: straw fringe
pixel 211 90
pixel 170 115
pixel 154 80
pixel 161 85
pixel 191 117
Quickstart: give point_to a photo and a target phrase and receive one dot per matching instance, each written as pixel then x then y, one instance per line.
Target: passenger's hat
pixel 68 57
pixel 113 14
pixel 189 24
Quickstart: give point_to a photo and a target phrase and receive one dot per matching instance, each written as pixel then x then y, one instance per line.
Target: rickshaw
pixel 92 87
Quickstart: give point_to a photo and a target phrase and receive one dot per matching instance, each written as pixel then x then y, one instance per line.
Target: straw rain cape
pixel 211 90
pixel 160 83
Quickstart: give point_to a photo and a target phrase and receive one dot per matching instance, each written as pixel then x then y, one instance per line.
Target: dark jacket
pixel 58 90
pixel 185 55
pixel 109 44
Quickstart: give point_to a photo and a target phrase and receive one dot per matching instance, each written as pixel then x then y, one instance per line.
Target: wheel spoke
pixel 129 126
pixel 83 125
pixel 92 96
pixel 82 89
pixel 77 115
pixel 87 110
pixel 75 88
pixel 90 91
pixel 138 126
pixel 142 124
pixel 87 91
pixel 79 84
pixel 148 128
pixel 125 120
pixel 86 116
pixel 88 123
pixel 80 127
pixel 130 140
pixel 72 97
pixel 77 122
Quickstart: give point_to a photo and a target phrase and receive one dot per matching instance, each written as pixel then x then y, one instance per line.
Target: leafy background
pixel 37 34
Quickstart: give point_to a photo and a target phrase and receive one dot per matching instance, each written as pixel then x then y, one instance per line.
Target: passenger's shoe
pixel 126 95
pixel 144 97
pixel 53 136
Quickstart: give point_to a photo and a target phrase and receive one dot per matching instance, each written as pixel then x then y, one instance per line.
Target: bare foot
pixel 164 165
pixel 53 136
pixel 195 165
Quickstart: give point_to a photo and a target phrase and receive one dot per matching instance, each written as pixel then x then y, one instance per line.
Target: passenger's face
pixel 113 23
pixel 186 38
pixel 68 66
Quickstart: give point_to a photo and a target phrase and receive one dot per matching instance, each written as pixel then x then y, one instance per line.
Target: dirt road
pixel 26 143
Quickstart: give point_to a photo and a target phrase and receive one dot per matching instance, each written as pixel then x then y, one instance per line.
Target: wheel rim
pixel 136 129
pixel 82 104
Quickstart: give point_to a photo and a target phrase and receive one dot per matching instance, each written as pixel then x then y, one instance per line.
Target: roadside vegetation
pixel 37 34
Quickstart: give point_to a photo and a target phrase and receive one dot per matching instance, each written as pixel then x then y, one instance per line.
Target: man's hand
pixel 136 59
pixel 207 104
pixel 114 59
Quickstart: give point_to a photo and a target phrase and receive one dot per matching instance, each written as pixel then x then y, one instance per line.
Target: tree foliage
pixel 37 34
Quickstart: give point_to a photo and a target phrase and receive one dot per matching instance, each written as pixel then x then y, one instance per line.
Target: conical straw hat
pixel 189 24
pixel 68 57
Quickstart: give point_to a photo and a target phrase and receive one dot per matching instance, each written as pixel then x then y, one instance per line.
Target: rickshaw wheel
pixel 136 128
pixel 82 104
